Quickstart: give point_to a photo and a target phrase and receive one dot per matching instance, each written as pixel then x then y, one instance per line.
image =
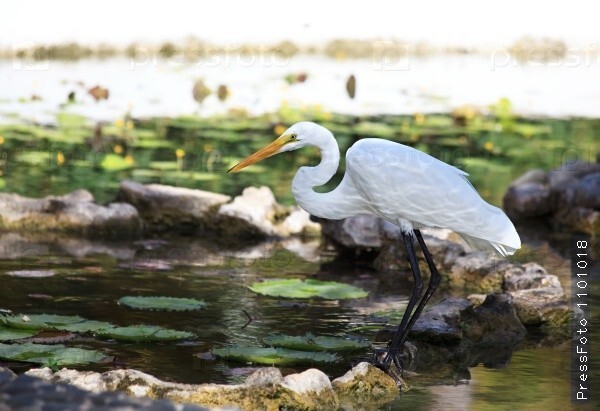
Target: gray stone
pixel 171 208
pixel 361 231
pixel 26 392
pixel 532 176
pixel 441 322
pixel 74 213
pixel 528 276
pixel 477 272
pixel 255 215
pixel 527 200
pixel 570 172
pixel 545 307
pixel 265 389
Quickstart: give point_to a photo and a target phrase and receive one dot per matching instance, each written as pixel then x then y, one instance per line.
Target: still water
pixel 91 276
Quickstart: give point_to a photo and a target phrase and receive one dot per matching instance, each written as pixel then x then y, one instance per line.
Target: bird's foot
pixel 390 364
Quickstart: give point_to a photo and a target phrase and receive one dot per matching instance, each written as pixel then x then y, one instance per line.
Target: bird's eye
pixel 293 137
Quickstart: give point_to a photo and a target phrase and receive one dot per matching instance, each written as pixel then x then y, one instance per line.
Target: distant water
pixel 151 87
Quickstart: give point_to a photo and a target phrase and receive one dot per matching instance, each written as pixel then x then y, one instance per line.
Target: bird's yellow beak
pixel 266 151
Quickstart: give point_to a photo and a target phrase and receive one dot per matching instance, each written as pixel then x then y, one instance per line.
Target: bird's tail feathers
pixel 489 246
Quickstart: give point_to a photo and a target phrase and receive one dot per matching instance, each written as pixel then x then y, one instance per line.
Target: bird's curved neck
pixel 306 178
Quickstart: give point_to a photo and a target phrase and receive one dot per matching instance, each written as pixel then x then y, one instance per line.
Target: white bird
pixel 399 184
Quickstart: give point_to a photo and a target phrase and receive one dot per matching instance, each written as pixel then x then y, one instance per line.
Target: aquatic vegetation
pixel 55 355
pixel 11 334
pixel 273 356
pixel 162 303
pixel 143 333
pixel 310 342
pixel 296 288
pixel 39 321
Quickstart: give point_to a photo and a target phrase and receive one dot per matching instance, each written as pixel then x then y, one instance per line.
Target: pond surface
pixel 90 277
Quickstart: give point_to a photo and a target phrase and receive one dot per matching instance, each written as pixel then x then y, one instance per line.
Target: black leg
pixel 417 289
pixel 408 321
pixel 434 282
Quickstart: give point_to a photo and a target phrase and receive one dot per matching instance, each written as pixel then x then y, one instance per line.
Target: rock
pixel 298 223
pixel 532 176
pixel 366 384
pixel 362 231
pixel 567 196
pixel 441 322
pixel 527 200
pixel 528 276
pixel 477 272
pixel 580 219
pixel 164 207
pixel 494 323
pixel 35 394
pixel 547 308
pixel 255 214
pixel 570 171
pixel 265 389
pixel 73 213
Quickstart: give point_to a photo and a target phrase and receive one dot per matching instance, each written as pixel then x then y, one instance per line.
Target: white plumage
pixel 398 183
pixel 401 185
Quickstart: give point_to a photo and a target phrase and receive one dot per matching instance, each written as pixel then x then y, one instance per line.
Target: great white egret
pixel 399 184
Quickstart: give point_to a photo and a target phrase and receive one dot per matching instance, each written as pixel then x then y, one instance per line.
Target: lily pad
pixel 162 303
pixel 309 342
pixel 143 333
pixel 39 321
pixel 273 356
pixel 86 326
pixel 55 355
pixel 10 334
pixel 296 288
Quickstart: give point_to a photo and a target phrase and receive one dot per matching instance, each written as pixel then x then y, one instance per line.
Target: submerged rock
pixel 73 213
pixel 265 389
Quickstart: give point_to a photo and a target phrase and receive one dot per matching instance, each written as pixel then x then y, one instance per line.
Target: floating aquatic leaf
pixel 58 355
pixel 9 334
pixel 39 321
pixel 272 356
pixel 143 333
pixel 296 288
pixel 162 303
pixel 85 326
pixel 310 342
